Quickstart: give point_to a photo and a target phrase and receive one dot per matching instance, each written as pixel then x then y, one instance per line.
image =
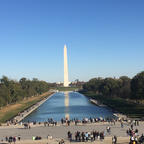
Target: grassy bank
pixel 8 112
pixel 129 108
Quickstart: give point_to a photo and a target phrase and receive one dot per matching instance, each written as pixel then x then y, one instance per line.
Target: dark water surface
pixel 67 104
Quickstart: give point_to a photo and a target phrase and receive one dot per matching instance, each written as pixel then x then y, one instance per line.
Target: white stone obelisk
pixel 66 82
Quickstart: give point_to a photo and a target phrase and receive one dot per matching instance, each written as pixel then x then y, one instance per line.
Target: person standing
pixel 114 140
pixel 19 137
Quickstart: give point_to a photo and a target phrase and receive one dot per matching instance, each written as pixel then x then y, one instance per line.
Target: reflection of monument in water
pixel 66 105
pixel 66 82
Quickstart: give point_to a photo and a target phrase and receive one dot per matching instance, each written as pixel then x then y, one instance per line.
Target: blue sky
pixel 103 37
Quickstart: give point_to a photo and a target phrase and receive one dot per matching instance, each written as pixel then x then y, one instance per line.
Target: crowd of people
pixel 49 122
pixel 65 121
pixel 85 136
pixel 134 137
pixel 76 121
pixel 87 120
pixel 12 139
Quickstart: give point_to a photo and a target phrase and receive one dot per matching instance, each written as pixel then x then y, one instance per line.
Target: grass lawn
pixel 124 106
pixel 67 88
pixel 8 112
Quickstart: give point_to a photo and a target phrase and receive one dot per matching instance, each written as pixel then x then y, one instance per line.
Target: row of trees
pixel 12 91
pixel 123 87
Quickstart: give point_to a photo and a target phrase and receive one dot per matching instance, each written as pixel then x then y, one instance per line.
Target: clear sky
pixel 103 37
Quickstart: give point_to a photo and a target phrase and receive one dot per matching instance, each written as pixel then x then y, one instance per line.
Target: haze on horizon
pixel 104 38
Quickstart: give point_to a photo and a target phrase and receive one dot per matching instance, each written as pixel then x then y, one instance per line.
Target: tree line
pixel 123 87
pixel 12 91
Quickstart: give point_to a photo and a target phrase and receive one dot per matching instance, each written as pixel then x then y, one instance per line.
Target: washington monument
pixel 66 82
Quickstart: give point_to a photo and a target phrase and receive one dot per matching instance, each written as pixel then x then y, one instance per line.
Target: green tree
pixel 137 86
pixel 110 87
pixel 5 95
pixel 12 91
pixel 4 80
pixel 125 90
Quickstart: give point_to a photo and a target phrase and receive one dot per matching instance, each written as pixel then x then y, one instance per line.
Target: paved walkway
pixel 60 131
pixel 107 140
